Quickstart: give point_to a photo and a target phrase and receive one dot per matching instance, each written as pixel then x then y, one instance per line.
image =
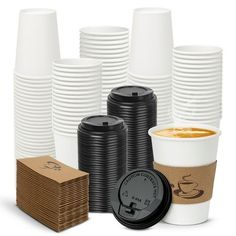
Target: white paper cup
pixel 73 86
pixel 214 123
pixel 37 44
pixel 113 83
pixel 32 152
pixel 70 109
pixel 89 75
pixel 78 83
pixel 196 106
pixel 188 152
pixel 195 118
pixel 122 72
pixel 37 145
pixel 198 57
pixel 154 86
pixel 105 47
pixel 34 139
pixel 33 80
pixel 75 95
pixel 202 98
pixel 77 106
pixel 209 88
pixel 73 89
pixel 150 78
pixel 105 31
pixel 216 91
pixel 151 42
pixel 196 62
pixel 102 38
pixel 35 151
pixel 192 114
pixel 80 63
pixel 74 99
pixel 118 59
pixel 79 113
pixel 202 66
pixel 198 71
pixel 207 102
pixel 71 100
pixel 198 84
pixel 195 75
pixel 33 100
pixel 31 94
pixel 111 42
pixel 114 68
pixel 123 55
pixel 147 83
pixel 28 87
pixel 103 52
pixel 197 79
pixel 70 126
pixel 197 50
pixel 33 124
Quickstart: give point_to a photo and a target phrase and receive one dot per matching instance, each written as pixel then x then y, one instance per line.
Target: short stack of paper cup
pixel 76 92
pixel 37 47
pixel 151 56
pixel 197 85
pixel 111 45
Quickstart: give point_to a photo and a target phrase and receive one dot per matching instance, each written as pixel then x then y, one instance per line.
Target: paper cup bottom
pixel 187 214
pixel 66 149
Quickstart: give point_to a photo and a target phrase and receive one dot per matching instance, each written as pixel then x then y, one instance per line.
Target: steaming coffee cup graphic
pixel 187 188
pixel 52 165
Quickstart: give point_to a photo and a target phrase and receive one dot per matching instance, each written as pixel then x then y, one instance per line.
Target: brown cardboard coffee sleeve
pixel 52 169
pixel 189 184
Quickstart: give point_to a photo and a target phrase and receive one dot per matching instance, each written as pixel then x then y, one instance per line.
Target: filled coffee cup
pixel 186 155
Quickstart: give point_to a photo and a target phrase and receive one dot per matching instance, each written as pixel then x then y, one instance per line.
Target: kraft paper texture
pixel 189 184
pixel 52 169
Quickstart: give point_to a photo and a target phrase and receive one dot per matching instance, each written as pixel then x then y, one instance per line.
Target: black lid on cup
pixel 132 93
pixel 141 198
pixel 102 123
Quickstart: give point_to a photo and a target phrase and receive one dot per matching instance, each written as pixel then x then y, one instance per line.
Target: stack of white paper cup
pixel 111 45
pixel 37 47
pixel 151 56
pixel 76 92
pixel 187 153
pixel 197 84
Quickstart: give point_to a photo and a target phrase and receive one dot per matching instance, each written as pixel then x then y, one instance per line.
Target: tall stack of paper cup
pixel 197 85
pixel 76 92
pixel 151 56
pixel 111 45
pixel 37 47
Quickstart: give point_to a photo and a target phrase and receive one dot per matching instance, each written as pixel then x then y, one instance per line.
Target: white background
pixel 194 22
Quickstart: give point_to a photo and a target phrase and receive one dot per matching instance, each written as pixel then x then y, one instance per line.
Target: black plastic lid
pixel 131 93
pixel 102 123
pixel 141 198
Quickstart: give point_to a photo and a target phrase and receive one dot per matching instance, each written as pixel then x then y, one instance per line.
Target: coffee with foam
pixel 184 132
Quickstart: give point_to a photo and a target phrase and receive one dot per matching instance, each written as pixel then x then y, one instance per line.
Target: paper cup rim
pixel 38 11
pixel 197 50
pixel 104 30
pixel 77 62
pixel 104 47
pixel 151 10
pixel 149 77
pixel 179 125
pixel 23 76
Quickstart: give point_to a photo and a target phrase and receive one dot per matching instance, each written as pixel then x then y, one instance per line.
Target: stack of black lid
pixel 102 145
pixel 138 107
